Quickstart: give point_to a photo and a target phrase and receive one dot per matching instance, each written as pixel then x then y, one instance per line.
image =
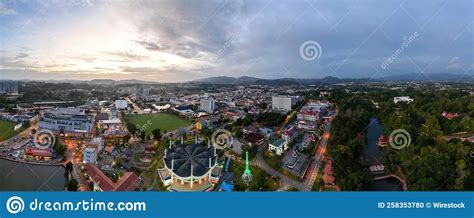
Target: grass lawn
pixel 6 130
pixel 165 122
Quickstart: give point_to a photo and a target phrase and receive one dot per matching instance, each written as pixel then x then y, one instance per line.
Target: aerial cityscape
pixel 236 96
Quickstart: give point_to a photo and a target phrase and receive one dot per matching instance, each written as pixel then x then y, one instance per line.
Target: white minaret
pixel 172 168
pixel 182 139
pixel 192 180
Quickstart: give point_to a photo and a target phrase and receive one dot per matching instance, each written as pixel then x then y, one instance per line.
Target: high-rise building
pixel 8 87
pixel 282 102
pixel 207 104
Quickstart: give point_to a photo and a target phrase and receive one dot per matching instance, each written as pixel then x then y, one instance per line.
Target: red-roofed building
pixel 103 183
pixel 254 139
pixel 39 154
pixel 382 141
pixel 328 173
pixel 449 116
pixel 289 134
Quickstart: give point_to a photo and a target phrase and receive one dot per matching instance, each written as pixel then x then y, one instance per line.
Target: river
pixel 16 176
pixel 372 152
pixel 374 155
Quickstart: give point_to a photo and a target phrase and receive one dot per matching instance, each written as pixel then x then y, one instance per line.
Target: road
pixel 74 158
pixel 316 163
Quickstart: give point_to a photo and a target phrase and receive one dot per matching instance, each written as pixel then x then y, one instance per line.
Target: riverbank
pixel 28 162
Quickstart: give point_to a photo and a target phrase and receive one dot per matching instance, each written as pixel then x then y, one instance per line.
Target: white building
pixel 278 146
pixel 69 121
pixel 207 104
pixel 406 99
pixel 282 103
pixel 121 104
pixel 89 155
pixel 92 150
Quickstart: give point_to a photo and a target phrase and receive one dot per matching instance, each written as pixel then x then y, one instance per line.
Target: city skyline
pixel 181 41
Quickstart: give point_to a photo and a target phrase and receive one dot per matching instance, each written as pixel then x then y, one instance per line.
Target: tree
pixel 72 185
pixel 239 133
pixel 69 167
pixel 156 134
pixel 60 148
pixel 143 135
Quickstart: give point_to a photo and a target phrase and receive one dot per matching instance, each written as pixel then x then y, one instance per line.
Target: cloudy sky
pixel 172 41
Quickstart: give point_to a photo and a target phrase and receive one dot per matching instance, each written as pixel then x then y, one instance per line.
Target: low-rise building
pixel 307 115
pixel 405 99
pixel 121 104
pixel 254 139
pixel 38 153
pixel 278 145
pixel 128 182
pixel 72 122
pixel 289 134
pixel 89 155
pixel 306 125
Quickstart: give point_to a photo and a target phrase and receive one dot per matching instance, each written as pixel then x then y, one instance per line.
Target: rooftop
pixel 187 159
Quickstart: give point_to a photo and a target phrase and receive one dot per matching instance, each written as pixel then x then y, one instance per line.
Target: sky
pixel 177 41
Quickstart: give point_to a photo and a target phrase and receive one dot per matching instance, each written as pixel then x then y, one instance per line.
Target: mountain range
pixel 245 80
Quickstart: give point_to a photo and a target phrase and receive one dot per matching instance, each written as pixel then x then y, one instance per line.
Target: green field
pixel 6 130
pixel 162 121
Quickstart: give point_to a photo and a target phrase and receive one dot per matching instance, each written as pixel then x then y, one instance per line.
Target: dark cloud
pixel 356 37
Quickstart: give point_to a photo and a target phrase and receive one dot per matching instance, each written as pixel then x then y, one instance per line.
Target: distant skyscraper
pixel 207 104
pixel 8 87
